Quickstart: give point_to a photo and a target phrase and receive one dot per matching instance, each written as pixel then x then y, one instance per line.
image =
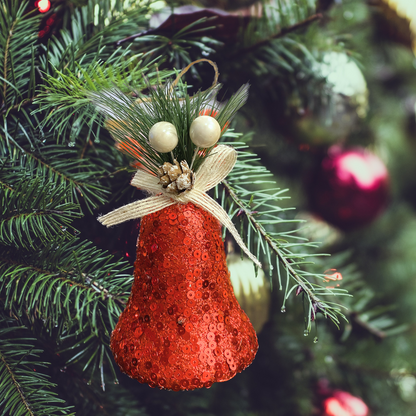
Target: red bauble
pixel 182 328
pixel 350 188
pixel 342 403
pixel 43 5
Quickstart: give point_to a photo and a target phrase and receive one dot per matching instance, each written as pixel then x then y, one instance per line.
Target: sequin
pixel 148 365
pixel 186 349
pixel 162 382
pixel 212 345
pixel 187 241
pixel 211 336
pixel 205 376
pixel 188 327
pixel 211 361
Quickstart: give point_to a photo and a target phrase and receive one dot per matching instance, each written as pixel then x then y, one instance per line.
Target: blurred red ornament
pixel 342 403
pixel 182 328
pixel 350 188
pixel 43 5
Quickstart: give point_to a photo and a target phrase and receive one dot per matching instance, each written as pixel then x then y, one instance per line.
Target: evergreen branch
pixel 79 278
pixel 285 31
pixel 58 164
pixel 65 96
pixel 23 389
pixel 16 384
pixel 283 258
pixel 18 41
pixel 25 103
pixel 34 213
pixel 6 55
pixel 367 326
pixel 257 209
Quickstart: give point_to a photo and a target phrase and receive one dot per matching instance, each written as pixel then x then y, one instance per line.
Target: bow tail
pixel 136 209
pixel 208 204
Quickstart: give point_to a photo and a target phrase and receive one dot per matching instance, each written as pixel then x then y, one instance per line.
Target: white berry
pixel 163 137
pixel 205 131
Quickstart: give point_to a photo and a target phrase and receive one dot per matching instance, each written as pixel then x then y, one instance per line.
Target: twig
pixel 17 385
pixel 6 50
pixel 376 332
pixel 17 107
pixel 286 262
pixel 95 286
pixel 282 33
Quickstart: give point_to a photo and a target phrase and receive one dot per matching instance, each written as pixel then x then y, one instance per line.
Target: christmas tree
pixel 317 100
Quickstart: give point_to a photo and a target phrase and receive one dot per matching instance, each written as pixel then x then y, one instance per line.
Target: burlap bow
pixel 215 168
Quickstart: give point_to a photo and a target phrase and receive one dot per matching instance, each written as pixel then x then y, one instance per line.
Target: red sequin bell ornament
pixel 183 327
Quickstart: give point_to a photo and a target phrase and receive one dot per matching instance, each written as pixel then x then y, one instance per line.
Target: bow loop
pixel 145 180
pixel 216 167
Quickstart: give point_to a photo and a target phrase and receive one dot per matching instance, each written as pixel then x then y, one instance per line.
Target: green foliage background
pixel 63 277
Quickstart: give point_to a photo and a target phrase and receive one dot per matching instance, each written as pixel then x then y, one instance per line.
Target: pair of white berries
pixel 204 132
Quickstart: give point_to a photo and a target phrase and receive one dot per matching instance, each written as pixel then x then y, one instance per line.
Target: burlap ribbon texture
pixel 213 170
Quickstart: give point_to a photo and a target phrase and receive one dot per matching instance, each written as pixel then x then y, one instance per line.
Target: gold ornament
pixel 205 131
pixel 251 291
pixel 400 15
pixel 163 137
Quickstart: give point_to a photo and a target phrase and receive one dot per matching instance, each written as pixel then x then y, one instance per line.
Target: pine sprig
pixel 78 277
pixel 267 235
pixel 130 120
pixel 76 291
pixel 58 164
pixel 33 213
pixel 176 48
pixel 65 96
pixel 24 390
pixel 18 38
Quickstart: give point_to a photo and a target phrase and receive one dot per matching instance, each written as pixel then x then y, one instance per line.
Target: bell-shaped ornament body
pixel 182 328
